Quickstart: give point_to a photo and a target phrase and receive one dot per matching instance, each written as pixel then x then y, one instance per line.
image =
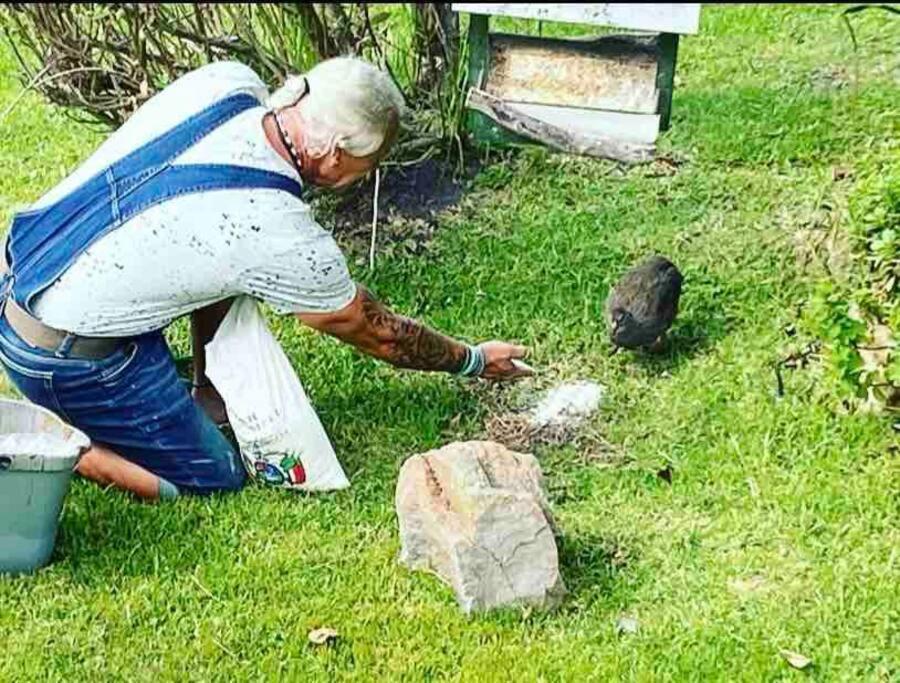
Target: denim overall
pixel 133 400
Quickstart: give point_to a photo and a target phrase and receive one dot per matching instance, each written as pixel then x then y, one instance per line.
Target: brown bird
pixel 643 304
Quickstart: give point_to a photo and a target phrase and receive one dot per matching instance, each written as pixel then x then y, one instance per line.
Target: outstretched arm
pixel 372 328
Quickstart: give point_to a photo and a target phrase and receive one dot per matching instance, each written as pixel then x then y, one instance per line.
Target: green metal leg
pixel 483 129
pixel 478 49
pixel 665 76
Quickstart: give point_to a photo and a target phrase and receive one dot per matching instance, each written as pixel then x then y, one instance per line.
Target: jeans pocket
pixel 129 353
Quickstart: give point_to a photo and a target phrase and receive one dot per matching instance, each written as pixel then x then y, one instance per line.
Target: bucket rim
pixel 44 462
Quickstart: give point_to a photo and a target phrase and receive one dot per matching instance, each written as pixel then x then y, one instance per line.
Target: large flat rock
pixel 476 514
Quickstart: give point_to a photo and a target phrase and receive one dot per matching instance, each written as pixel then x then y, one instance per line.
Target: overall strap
pixel 149 158
pixel 144 161
pixel 45 243
pixel 179 180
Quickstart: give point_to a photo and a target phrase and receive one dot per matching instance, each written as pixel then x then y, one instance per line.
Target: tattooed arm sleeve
pixel 373 329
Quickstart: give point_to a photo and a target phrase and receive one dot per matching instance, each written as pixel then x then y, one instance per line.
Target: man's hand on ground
pixel 500 360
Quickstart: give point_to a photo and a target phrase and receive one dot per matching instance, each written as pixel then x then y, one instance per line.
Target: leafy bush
pixel 101 61
pixel 858 322
pixel 875 221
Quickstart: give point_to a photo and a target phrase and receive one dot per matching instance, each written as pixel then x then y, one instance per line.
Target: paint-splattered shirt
pixel 197 249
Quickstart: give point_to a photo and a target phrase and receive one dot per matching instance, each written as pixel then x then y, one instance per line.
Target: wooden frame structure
pixel 609 96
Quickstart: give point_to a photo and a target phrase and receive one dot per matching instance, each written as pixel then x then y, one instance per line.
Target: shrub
pixel 101 61
pixel 858 322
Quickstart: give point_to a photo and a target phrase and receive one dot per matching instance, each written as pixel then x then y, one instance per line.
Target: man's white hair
pixel 350 105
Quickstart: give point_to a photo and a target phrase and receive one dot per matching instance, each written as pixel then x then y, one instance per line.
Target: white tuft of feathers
pixel 567 404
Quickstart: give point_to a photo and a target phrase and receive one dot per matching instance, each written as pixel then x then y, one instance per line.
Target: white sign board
pixel 654 17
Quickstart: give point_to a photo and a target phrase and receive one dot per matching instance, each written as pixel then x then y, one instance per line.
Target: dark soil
pixel 418 191
pixel 410 198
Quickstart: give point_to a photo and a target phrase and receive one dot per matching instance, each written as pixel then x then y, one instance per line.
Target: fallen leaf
pixel 322 636
pixel 746 586
pixel 795 659
pixel 840 172
pixel 877 350
pixel 626 625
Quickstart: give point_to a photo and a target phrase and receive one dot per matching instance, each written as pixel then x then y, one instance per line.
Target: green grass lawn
pixel 780 527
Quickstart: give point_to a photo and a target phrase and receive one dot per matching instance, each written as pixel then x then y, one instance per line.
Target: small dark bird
pixel 643 304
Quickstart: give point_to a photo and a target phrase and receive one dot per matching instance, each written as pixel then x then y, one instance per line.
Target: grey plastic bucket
pixel 38 452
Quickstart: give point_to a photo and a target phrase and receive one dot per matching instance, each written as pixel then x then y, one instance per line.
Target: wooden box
pixel 615 89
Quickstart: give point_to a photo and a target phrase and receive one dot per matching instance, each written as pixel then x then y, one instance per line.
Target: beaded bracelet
pixel 474 363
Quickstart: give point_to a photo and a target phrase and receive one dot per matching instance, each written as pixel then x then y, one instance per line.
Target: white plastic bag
pixel 281 439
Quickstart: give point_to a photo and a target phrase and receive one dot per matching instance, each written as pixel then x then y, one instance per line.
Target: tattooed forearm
pixel 409 344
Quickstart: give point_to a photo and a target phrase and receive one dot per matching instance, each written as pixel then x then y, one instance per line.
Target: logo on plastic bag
pixel 272 418
pixel 279 470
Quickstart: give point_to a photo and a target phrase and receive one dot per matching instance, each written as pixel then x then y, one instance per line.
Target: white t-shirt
pixel 199 248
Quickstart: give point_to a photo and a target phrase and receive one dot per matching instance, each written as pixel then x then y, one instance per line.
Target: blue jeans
pixel 133 402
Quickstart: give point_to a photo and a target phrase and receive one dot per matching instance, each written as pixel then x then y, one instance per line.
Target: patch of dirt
pixel 509 413
pixel 516 432
pixel 409 200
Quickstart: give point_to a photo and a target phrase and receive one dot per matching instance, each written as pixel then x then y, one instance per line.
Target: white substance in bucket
pixel 567 403
pixel 47 445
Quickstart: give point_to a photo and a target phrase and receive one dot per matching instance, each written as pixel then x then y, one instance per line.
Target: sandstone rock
pixel 475 513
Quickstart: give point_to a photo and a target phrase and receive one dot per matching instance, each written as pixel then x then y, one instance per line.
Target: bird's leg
pixel 658 345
